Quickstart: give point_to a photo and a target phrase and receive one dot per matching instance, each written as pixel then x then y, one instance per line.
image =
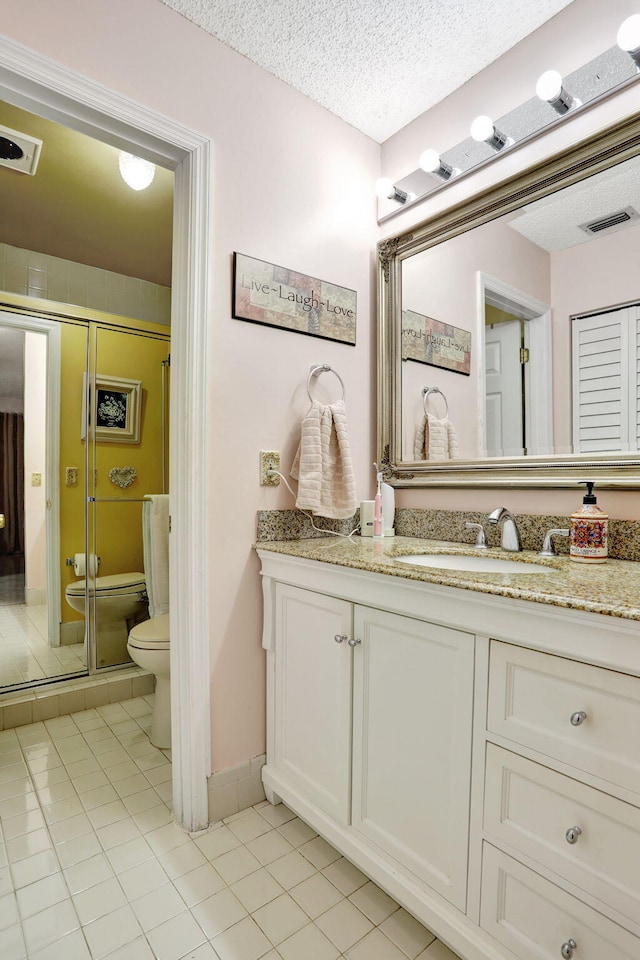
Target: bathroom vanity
pixel 469 740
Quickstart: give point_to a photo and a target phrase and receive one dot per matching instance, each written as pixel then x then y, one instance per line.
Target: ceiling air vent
pixel 613 221
pixel 19 151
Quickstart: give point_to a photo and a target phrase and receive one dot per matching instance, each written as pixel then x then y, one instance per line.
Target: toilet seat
pixel 151 634
pixel 116 585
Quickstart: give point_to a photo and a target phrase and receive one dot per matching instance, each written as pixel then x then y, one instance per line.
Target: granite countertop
pixel 611 588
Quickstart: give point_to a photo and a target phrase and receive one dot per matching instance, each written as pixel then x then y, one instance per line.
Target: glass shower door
pixel 128 461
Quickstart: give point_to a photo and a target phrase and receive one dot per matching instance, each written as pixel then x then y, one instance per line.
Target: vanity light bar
pixel 549 88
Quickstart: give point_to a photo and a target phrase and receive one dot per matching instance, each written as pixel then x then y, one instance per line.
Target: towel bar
pixel 429 391
pixel 316 370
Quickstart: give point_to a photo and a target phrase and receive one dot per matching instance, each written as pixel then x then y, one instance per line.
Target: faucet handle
pixel 547 546
pixel 481 540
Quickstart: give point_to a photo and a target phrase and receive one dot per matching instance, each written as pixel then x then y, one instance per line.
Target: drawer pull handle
pixel 354 642
pixel 572 834
pixel 340 637
pixel 567 949
pixel 578 717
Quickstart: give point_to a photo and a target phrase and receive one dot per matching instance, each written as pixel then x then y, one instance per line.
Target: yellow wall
pixel 122 353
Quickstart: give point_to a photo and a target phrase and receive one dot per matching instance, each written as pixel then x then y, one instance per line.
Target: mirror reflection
pixel 72 580
pixel 521 337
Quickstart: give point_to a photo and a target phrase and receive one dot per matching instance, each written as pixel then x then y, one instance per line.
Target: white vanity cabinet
pixel 477 756
pixel 358 694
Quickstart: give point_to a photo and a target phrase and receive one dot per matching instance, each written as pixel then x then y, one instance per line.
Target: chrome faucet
pixel 510 536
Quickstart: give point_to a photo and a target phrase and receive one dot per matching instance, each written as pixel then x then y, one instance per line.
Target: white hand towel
pixel 155 549
pixel 322 466
pixel 435 440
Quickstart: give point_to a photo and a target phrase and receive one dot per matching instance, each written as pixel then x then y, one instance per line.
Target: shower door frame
pixel 51 329
pixel 41 85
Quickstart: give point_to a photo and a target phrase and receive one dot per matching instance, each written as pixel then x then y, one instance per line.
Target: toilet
pixel 120 600
pixel 148 646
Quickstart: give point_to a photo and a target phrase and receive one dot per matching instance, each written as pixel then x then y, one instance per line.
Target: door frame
pixel 51 330
pixel 41 85
pixel 539 379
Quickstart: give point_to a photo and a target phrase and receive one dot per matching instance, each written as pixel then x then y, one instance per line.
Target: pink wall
pixel 590 276
pixel 35 435
pixel 576 35
pixel 292 185
pixel 443 283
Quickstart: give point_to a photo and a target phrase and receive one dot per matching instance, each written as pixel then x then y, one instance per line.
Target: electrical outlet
pixel 71 476
pixel 269 460
pixel 36 479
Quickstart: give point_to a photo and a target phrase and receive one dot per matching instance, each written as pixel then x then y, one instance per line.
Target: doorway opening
pixel 515 383
pixel 44 87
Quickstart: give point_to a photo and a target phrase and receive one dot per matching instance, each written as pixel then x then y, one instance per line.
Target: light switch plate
pixel 36 479
pixel 71 476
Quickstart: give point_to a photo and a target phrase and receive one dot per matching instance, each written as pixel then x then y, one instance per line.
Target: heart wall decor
pixel 122 476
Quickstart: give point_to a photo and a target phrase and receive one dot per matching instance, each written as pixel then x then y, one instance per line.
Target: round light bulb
pixel 482 129
pixel 429 161
pixel 629 34
pixel 136 172
pixel 384 188
pixel 549 86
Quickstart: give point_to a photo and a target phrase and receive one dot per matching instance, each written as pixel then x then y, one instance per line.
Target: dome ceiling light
pixel 136 172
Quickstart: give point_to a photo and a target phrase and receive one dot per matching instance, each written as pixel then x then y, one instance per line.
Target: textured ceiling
pixel 376 64
pixel 554 222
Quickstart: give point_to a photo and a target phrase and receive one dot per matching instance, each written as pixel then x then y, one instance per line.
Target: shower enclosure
pixel 95 447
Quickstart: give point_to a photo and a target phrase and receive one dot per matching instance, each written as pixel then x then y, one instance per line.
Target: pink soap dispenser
pixel 378 528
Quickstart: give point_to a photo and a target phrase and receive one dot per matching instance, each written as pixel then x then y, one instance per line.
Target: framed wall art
pixel 279 297
pixel 117 409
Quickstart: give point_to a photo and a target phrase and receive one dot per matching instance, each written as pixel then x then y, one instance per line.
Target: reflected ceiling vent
pixel 19 151
pixel 613 221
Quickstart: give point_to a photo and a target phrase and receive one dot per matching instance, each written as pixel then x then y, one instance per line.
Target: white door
pixel 313 696
pixel 503 370
pixel 413 700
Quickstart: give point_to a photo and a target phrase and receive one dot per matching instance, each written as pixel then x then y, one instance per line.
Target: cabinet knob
pixel 354 642
pixel 572 834
pixel 340 637
pixel 567 949
pixel 578 717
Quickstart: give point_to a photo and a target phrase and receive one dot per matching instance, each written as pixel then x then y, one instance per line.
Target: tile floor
pixel 25 654
pixel 92 866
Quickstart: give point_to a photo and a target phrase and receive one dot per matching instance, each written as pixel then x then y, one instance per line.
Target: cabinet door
pixel 413 700
pixel 313 696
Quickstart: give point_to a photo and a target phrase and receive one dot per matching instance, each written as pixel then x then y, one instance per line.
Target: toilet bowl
pixel 120 599
pixel 148 646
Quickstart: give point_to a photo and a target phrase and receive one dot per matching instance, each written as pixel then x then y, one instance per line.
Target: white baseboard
pixel 35 598
pixel 72 632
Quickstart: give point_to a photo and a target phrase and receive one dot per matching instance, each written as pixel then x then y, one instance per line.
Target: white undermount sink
pixel 473 564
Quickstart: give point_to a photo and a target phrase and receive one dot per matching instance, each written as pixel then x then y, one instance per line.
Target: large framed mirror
pixel 509 329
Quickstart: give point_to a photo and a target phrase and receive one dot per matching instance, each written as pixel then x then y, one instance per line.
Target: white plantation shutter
pixel 634 393
pixel 606 381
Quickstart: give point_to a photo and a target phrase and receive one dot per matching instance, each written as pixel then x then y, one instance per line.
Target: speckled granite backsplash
pixel 624 535
pixel 294 525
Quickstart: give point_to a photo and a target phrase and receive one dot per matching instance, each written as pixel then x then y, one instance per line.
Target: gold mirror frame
pixel 601 151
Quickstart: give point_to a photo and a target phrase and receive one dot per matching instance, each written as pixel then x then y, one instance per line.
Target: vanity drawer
pixel 537 920
pixel 532 809
pixel 585 716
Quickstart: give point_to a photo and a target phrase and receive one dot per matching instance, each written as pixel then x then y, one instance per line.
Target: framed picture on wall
pixel 117 409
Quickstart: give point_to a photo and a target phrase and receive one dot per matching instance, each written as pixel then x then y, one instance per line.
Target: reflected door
pixel 504 406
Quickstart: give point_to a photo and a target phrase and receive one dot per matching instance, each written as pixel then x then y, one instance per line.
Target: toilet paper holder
pixel 70 561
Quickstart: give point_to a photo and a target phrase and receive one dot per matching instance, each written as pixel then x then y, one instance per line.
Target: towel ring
pixel 429 391
pixel 316 370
